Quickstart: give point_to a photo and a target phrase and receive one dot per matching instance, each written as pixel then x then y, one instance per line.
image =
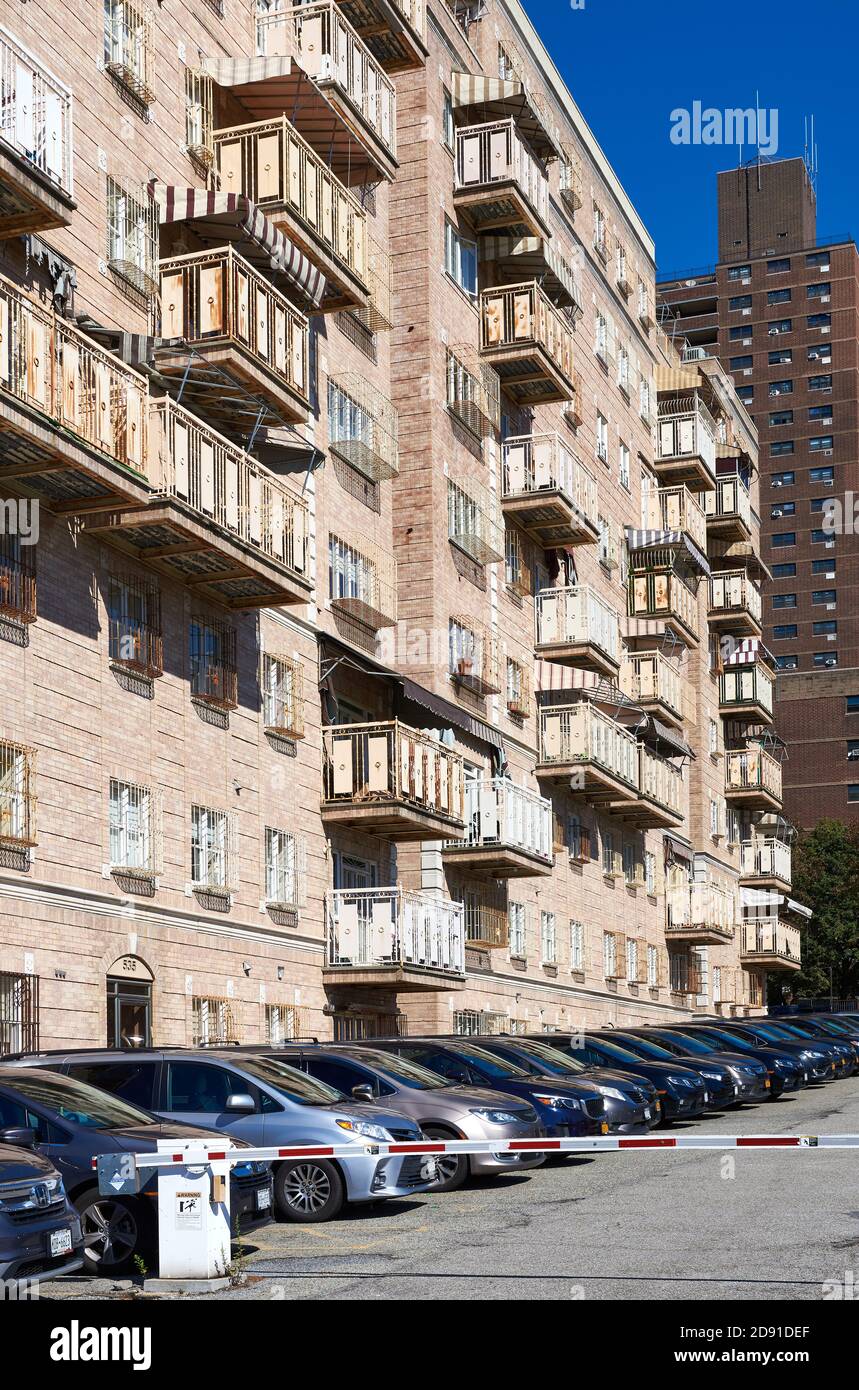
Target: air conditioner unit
pixel 746 313
pixel 831 661
pixel 853 755
pixel 777 482
pixel 827 453
pixel 776 512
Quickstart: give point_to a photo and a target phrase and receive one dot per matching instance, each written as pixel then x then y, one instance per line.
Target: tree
pixel 826 879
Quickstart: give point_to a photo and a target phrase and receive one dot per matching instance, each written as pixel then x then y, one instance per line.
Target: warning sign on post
pixel 189 1211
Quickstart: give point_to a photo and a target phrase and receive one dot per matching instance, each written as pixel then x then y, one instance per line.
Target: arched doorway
pixel 129 1003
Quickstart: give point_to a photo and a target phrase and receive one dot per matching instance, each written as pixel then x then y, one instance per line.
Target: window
pixel 282 1023
pixel 826 567
pixel 853 704
pixel 132 235
pixel 600 233
pixel 822 475
pixel 783 509
pixel 652 967
pixel 134 828
pixel 473 398
pixel 817 504
pixel 826 596
pixel 822 290
pixel 787 663
pixel 822 354
pixel 740 332
pixel 784 538
pixel 853 791
pixel 577 945
pixel 516 916
pixel 713 737
pixel 609 949
pixel 778 267
pixel 819 320
pixel 610 864
pixel 192 1086
pixel 17 803
pixel 781 417
pixel 198 116
pixel 781 447
pixel 732 825
pixel 212 853
pixel 782 356
pixel 281 682
pixel 623 466
pixel 776 327
pixel 819 442
pixel 784 571
pixel 825 660
pixel 212 654
pixel 460 260
pixel 355 583
pixel 134 624
pixel 827 628
pixel 578 845
pixel 820 383
pixel 739 364
pixel 778 296
pixel 739 272
pixel 631 959
pixel 518 693
pixel 650 872
pixel 745 394
pixel 785 479
pixel 602 438
pixel 517 572
pixel 602 337
pixel 783 631
pixel 19 1016
pixel 821 537
pixel 448 130
pixel 128 47
pixel 283 868
pixel 716 818
pixel 817 258
pixel 548 945
pixel 781 388
pixel 822 412
pixel 740 301
pixel 784 600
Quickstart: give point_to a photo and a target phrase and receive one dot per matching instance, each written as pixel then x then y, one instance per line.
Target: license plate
pixel 805 1075
pixel 647 1112
pixel 767 1083
pixel 60 1242
pixel 263 1199
pixel 736 1090
pixel 706 1097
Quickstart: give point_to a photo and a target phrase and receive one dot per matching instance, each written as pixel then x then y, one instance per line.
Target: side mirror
pixel 20 1138
pixel 363 1092
pixel 241 1104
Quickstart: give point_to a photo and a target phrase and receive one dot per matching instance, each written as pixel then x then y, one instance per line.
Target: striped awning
pixel 498 100
pixel 748 651
pixel 518 259
pixel 645 540
pixel 217 218
pixel 677 378
pixel 550 676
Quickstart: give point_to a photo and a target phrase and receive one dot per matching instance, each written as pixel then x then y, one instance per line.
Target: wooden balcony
pixel 508 832
pixel 576 627
pixel 237 343
pixel 73 417
pixel 655 684
pixel 500 185
pixel 217 522
pixel 765 863
pixel 678 509
pixel 528 342
pixel 753 779
pixel 660 795
pixel 36 189
pixel 272 165
pixel 660 594
pixel 387 779
pixel 729 509
pixel 735 604
pixel 323 42
pixel 747 692
pixel 548 491
pixel 390 938
pixel 591 753
pixel 700 914
pixel 686 441
pixel 769 944
pixel 395 31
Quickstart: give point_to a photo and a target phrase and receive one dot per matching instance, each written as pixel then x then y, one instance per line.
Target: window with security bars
pixel 213 849
pixel 198 116
pixel 518 692
pixel 282 1023
pixel 473 392
pixel 652 967
pixel 213 1020
pixel 577 945
pixel 17 800
pixel 128 53
pixel 212 655
pixel 348 1027
pixel 132 234
pixel 17 579
pixel 518 941
pixel 475 1023
pixel 135 828
pixel 517 563
pixel 19 1012
pixel 284 868
pixel 282 695
pixel 350 574
pixel 134 624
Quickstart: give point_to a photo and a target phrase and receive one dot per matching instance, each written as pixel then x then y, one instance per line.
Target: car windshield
pixel 545 1059
pixel 837 1029
pixel 734 1041
pixel 290 1082
pixel 620 1053
pixel 641 1048
pixel 76 1101
pixel 694 1045
pixel 796 1030
pixel 768 1030
pixel 492 1065
pixel 401 1069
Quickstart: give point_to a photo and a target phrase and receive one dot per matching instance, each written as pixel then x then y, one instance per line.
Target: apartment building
pixel 381 608
pixel 779 310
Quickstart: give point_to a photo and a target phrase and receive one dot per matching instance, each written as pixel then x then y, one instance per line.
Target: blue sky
pixel 629 64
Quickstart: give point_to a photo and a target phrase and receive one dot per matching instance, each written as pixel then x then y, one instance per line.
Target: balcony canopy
pixel 219 218
pixel 498 100
pixel 518 259
pixel 645 540
pixel 748 651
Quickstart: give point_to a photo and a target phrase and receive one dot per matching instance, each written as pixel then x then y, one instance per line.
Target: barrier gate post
pixel 194 1227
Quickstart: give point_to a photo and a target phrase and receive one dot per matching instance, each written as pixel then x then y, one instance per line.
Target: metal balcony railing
pixel 225 485
pixel 377 928
pixel 746 685
pixel 35 113
pixel 17 579
pixel 581 733
pixel 474 656
pixel 17 795
pixel 767 936
pixel 372 763
pixel 47 363
pixel 543 462
pixel 732 591
pixel 497 812
pixel 705 906
pixel 677 509
pixel 215 296
pixel 687 430
pixel 570 178
pixel 731 498
pixel 474 521
pixel 753 769
pixel 362 580
pixel 650 676
pixel 363 427
pixel 523 317
pixel 495 153
pixel 658 593
pixel 331 53
pixel 660 781
pixel 765 858
pixel 577 617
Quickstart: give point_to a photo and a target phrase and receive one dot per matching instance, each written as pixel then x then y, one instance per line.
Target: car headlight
pixel 680 1080
pixel 716 1076
pixel 610 1091
pixel 365 1129
pixel 560 1102
pixel 498 1117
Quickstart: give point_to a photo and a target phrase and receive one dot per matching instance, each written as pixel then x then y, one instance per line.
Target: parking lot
pixel 633 1226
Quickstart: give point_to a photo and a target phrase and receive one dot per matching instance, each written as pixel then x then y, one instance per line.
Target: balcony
pixel 678 509
pixel 499 184
pixel 660 798
pixel 548 491
pixel 729 509
pixel 387 779
pixel 700 914
pixel 73 415
pixel 575 627
pixel 570 179
pixel 746 692
pixel 655 684
pixel 765 863
pixel 529 343
pixel 363 427
pixel 17 797
pixel 395 31
pixel 474 657
pixel 217 520
pixel 272 165
pixel 661 595
pixel 508 832
pixel 389 938
pixel 686 451
pixel 735 604
pixel 753 779
pixel 684 973
pixel 237 343
pixel 362 581
pixel 474 522
pixel 769 944
pixel 487 923
pixel 589 751
pixel 329 51
pixel 36 190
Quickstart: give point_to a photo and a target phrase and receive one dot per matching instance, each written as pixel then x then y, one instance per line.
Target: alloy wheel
pixel 306 1188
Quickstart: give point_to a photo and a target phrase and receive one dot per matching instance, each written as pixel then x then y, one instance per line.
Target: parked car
pixel 784 1062
pixel 40 1231
pixel 818 1060
pixel 760 1075
pixel 682 1092
pixel 723 1088
pixel 443 1109
pixel 836 1027
pixel 632 1105
pixel 814 1029
pixel 566 1108
pixel 260 1101
pixel 73 1123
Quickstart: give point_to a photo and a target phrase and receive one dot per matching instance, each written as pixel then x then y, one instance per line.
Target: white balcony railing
pixel 367 764
pixel 747 685
pixel 649 676
pixel 767 936
pixel 377 928
pixel 731 498
pixel 765 858
pixel 495 153
pixel 581 733
pixel 687 430
pixel 704 906
pixel 521 319
pixel 677 509
pixel 577 617
pixel 753 769
pixel 497 812
pixel 35 113
pixel 543 462
pixel 732 592
pixel 660 781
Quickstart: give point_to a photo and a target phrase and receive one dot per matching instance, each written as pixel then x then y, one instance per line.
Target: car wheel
pixel 452 1168
pixel 115 1229
pixel 309 1191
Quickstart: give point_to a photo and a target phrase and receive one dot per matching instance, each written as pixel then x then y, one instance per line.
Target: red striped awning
pixel 748 651
pixel 217 218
